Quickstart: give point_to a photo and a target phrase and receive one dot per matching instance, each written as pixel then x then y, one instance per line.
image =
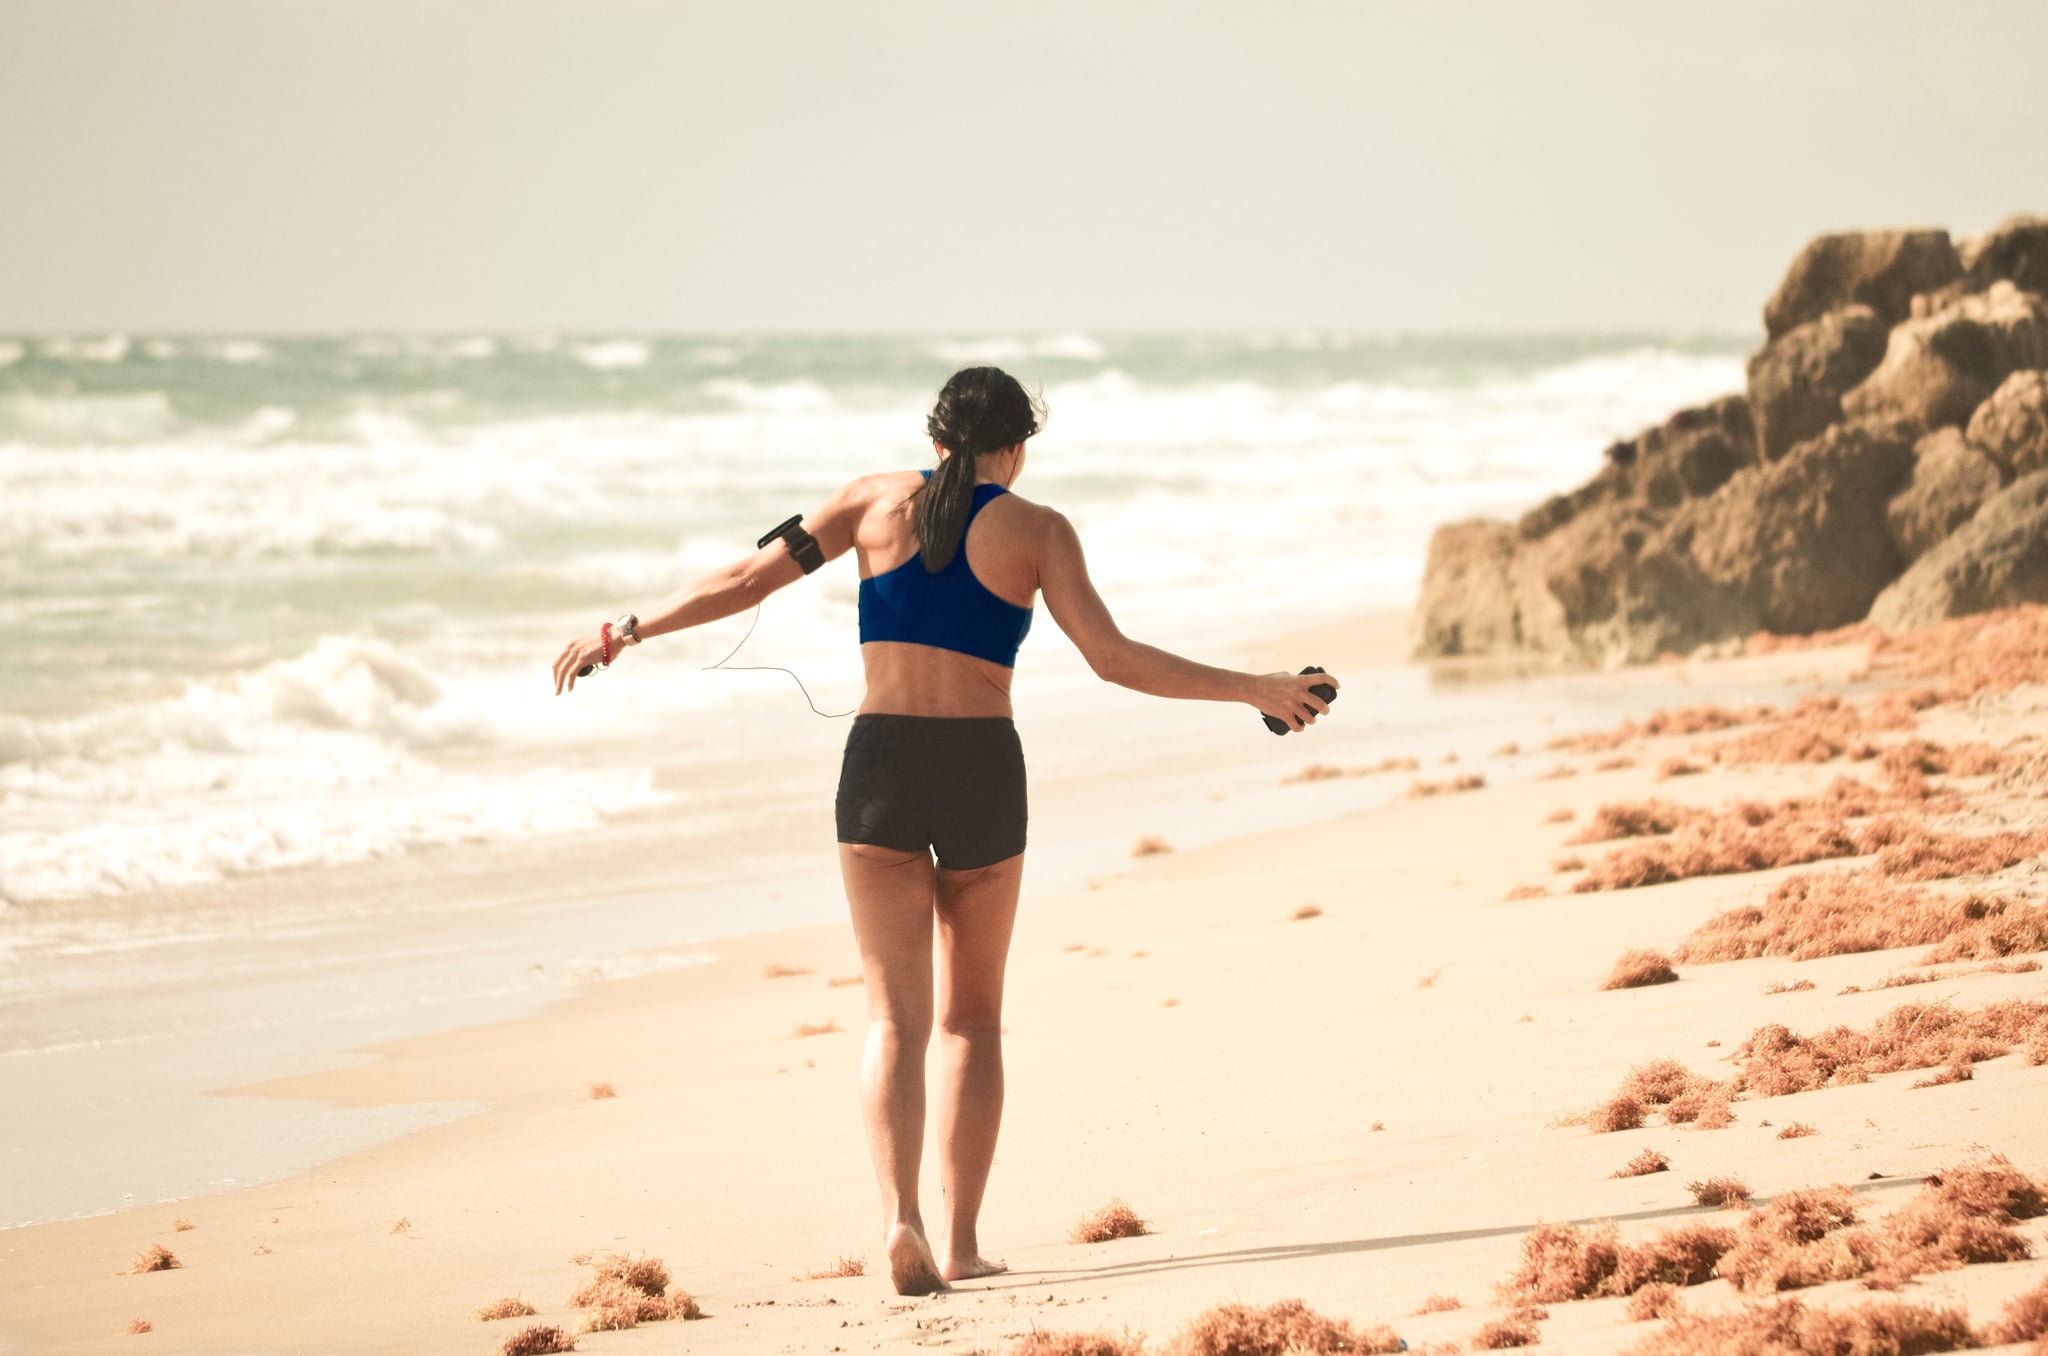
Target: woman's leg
pixel 890 893
pixel 977 910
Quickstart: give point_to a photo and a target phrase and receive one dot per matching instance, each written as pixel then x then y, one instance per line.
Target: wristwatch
pixel 627 628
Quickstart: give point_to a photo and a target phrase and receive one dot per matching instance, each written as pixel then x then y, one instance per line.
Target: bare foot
pixel 968 1267
pixel 911 1268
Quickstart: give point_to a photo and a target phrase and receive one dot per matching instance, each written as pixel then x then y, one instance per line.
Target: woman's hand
pixel 581 653
pixel 1286 697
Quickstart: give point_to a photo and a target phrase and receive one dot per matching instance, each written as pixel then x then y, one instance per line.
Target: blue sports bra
pixel 950 610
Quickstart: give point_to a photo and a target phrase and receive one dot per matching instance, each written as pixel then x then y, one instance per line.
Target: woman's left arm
pixel 735 587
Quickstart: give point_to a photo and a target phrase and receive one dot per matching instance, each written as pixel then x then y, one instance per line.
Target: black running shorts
pixel 953 784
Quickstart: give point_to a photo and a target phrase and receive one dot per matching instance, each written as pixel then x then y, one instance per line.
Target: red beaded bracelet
pixel 604 642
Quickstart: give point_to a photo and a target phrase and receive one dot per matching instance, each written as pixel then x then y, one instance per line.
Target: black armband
pixel 801 544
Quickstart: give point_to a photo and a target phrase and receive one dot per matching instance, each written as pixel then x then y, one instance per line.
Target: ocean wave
pixel 127 417
pixel 782 397
pixel 200 844
pixel 110 348
pixel 12 351
pixel 613 355
pixel 1074 346
pixel 295 721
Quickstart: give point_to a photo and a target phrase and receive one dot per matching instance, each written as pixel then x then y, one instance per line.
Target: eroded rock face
pixel 1878 269
pixel 1802 542
pixel 1468 605
pixel 2016 250
pixel 2011 427
pixel 1997 559
pixel 1937 369
pixel 1797 381
pixel 1950 482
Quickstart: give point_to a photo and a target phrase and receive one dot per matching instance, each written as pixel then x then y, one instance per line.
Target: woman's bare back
pixel 1002 548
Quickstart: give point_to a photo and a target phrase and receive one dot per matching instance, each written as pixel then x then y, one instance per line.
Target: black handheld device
pixel 801 544
pixel 1323 690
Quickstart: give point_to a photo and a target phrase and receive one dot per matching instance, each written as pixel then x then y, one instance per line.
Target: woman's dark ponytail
pixel 981 409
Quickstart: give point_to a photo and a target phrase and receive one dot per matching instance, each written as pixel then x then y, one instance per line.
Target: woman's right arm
pixel 1071 598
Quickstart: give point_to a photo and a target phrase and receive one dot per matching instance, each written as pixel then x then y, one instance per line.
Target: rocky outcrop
pixel 1937 369
pixel 1797 380
pixel 1997 559
pixel 1869 470
pixel 1467 605
pixel 1950 482
pixel 1801 543
pixel 1878 269
pixel 2011 427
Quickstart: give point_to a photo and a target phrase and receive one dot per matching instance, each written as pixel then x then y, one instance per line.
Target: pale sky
pixel 941 165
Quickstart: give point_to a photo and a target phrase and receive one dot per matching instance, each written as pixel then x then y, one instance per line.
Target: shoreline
pixel 1084 821
pixel 1347 1107
pixel 290 972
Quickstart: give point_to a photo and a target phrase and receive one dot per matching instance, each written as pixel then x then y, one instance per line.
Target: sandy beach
pixel 1330 1060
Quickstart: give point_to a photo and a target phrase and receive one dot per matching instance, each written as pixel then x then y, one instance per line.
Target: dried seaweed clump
pixel 1914 1036
pixel 777 970
pixel 1636 819
pixel 1469 781
pixel 181 1225
pixel 1677 767
pixel 1743 837
pixel 1964 1215
pixel 1643 1164
pixel 1673 721
pixel 1100 1343
pixel 1616 1114
pixel 1916 853
pixel 847 1266
pixel 1150 845
pixel 829 1026
pixel 1837 913
pixel 1306 912
pixel 1799 1238
pixel 1686 1098
pixel 624 1292
pixel 1653 1301
pixel 1284 1328
pixel 1112 1221
pixel 1517 893
pixel 139 1326
pixel 1725 1192
pixel 1961 1216
pixel 1788 1328
pixel 1816 730
pixel 509 1307
pixel 1797 1130
pixel 1985 652
pixel 155 1257
pixel 1440 1304
pixel 2024 1319
pixel 1517 1329
pixel 1563 814
pixel 599 1092
pixel 1562 1262
pixel 537 1341
pixel 1640 968
pixel 1920 757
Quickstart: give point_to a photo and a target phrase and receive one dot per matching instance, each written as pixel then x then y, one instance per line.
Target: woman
pixel 931 805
